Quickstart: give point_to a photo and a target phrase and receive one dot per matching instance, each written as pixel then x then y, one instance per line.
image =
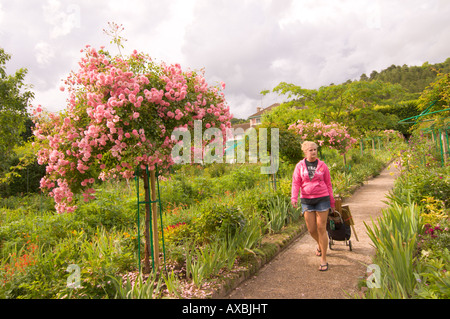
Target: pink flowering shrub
pixel 120 114
pixel 331 135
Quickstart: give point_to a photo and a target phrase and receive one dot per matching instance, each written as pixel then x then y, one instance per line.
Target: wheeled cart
pixel 340 224
pixel 338 230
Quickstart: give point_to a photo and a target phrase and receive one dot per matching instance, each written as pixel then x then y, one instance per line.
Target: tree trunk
pixel 154 218
pixel 150 213
pixel 444 138
pixel 146 268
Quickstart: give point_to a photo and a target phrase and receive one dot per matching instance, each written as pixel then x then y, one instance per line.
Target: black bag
pixel 336 228
pixel 335 220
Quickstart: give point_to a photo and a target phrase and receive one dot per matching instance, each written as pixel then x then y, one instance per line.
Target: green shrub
pixel 111 209
pixel 433 262
pixel 216 169
pixel 177 190
pixel 151 288
pixel 255 200
pixel 241 178
pixel 433 212
pixel 423 182
pixel 29 203
pixel 395 235
pixel 284 186
pixel 104 254
pixel 433 278
pixel 280 212
pixel 217 219
pixel 177 234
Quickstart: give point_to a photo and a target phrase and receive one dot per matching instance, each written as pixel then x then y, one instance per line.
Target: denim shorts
pixel 319 207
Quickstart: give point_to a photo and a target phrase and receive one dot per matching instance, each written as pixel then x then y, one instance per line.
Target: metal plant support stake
pixel 272 181
pixel 439 135
pixel 151 186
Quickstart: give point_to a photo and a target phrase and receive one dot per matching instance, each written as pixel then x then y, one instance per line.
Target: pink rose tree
pixel 120 115
pixel 331 135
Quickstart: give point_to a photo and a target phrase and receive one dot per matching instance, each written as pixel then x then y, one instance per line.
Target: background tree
pixel 438 93
pixel 284 115
pixel 14 99
pixel 347 102
pixel 399 111
pixel 414 79
pixel 435 99
pixel 21 173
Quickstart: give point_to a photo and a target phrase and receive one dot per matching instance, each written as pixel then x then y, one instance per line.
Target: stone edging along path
pixel 289 269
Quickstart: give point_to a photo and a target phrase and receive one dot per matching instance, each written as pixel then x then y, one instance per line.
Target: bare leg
pixel 322 235
pixel 311 224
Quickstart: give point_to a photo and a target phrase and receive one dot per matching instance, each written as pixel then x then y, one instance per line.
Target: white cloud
pixel 165 40
pixel 2 14
pixel 62 19
pixel 44 54
pixel 323 12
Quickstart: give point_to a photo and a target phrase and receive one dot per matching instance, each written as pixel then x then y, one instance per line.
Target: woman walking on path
pixel 312 177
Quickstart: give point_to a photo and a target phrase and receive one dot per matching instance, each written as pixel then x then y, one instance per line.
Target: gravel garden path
pixel 294 274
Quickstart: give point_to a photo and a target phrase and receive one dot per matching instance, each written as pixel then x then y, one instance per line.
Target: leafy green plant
pixel 151 288
pixel 216 169
pixel 214 256
pixel 112 208
pixel 172 283
pixel 255 200
pixel 240 178
pixel 194 268
pixel 248 238
pixel 217 219
pixel 423 182
pixel 433 260
pixel 433 274
pixel 434 211
pixel 29 203
pixel 394 235
pixel 278 213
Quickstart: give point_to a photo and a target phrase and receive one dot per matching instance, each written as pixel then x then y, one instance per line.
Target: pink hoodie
pixel 319 186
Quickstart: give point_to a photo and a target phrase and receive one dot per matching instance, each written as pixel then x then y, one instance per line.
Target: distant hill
pixel 414 79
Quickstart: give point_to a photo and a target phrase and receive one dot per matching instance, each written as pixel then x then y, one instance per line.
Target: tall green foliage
pixel 414 79
pixel 395 236
pixel 14 131
pixel 438 93
pixel 14 98
pixel 352 103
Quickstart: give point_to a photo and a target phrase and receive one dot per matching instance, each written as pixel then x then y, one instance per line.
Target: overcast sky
pixel 251 45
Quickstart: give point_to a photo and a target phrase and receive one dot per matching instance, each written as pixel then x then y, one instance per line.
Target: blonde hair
pixel 308 144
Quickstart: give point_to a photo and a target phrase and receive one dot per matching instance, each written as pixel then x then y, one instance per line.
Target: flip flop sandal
pixel 318 252
pixel 321 268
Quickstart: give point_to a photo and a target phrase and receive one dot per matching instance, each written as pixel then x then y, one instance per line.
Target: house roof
pixel 259 113
pixel 244 126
